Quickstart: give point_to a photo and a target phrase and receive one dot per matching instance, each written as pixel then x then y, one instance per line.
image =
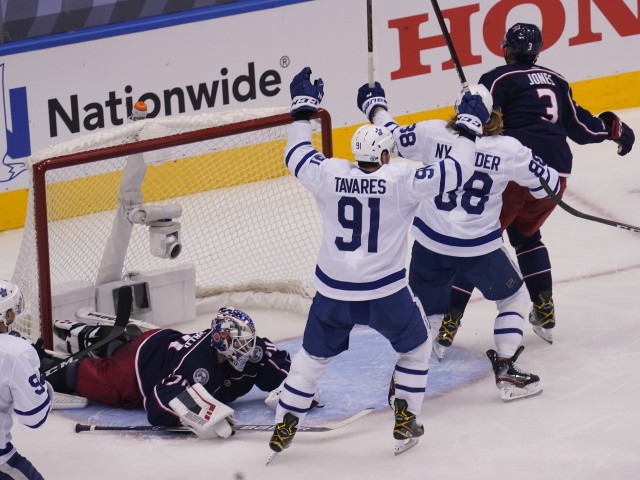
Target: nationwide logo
pixel 71 115
pixel 15 142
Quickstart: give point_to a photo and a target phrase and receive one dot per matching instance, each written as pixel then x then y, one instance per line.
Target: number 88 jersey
pixel 466 222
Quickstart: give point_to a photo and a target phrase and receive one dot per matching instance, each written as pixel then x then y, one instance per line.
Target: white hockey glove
pixel 274 396
pixel 203 414
pixel 305 96
pixel 370 99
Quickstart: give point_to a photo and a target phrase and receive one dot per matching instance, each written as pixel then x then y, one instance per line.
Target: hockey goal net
pixel 247 227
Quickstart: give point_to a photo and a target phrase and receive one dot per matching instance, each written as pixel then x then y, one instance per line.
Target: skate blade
pixel 438 350
pixel 544 333
pixel 271 456
pixel 404 445
pixel 510 393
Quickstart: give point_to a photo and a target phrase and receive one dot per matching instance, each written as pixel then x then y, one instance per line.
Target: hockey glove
pixel 305 96
pixel 619 132
pixel 472 114
pixel 203 414
pixel 370 99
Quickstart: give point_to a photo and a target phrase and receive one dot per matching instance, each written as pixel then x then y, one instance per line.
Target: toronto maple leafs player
pixel 360 275
pixel 459 232
pixel 538 109
pixel 177 377
pixel 23 391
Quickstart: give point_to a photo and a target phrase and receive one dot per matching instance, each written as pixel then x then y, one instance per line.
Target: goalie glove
pixel 305 96
pixel 274 396
pixel 619 132
pixel 370 99
pixel 203 414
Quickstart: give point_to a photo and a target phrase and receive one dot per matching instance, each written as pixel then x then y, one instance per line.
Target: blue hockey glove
pixel 472 114
pixel 305 96
pixel 370 98
pixel 619 132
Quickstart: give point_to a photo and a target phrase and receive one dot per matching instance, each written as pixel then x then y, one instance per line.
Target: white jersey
pixel 366 215
pixel 466 223
pixel 22 390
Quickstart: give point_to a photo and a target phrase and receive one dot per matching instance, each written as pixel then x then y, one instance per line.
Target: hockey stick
pixel 236 428
pixel 586 216
pixel 452 50
pixel 370 42
pixel 125 298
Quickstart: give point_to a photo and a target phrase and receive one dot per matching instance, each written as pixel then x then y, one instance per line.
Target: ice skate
pixel 447 332
pixel 542 316
pixel 282 435
pixel 512 382
pixel 406 430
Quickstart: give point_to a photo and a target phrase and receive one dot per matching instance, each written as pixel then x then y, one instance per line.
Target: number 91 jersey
pixel 466 222
pixel 366 215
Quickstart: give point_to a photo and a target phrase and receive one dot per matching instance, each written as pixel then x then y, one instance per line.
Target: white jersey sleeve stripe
pixel 360 286
pixel 453 241
pixel 293 149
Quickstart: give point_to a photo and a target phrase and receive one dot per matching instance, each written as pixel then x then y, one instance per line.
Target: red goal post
pixel 247 228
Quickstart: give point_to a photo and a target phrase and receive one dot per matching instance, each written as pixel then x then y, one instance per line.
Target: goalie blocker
pixel 203 414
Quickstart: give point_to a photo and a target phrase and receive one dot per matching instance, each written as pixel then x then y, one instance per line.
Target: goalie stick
pixel 586 216
pixel 125 298
pixel 80 427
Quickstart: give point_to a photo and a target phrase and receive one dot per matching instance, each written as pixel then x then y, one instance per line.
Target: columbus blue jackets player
pixel 168 372
pixel 538 109
pixel 23 391
pixel 360 275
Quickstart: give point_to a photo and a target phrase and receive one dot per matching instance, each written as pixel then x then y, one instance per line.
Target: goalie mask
pixel 369 141
pixel 10 299
pixel 233 335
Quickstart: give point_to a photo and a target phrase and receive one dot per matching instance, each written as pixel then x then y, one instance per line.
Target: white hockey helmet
pixel 369 141
pixel 233 335
pixel 10 299
pixel 481 90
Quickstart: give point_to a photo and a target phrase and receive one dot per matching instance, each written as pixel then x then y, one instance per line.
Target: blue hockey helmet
pixel 233 335
pixel 523 43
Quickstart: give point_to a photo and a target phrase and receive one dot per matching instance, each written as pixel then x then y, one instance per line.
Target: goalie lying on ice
pixel 178 378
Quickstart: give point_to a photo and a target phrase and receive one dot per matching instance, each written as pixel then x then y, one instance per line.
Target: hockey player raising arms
pixel 23 391
pixel 459 231
pixel 177 377
pixel 539 110
pixel 360 274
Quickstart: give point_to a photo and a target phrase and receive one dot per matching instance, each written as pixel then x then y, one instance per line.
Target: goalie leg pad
pixel 199 411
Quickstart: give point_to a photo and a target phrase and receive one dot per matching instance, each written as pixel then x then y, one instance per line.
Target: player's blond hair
pixel 494 126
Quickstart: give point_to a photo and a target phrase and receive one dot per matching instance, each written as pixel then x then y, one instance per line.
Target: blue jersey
pixel 170 361
pixel 538 109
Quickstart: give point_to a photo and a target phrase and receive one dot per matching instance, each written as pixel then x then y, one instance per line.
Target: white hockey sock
pixel 301 385
pixel 410 376
pixel 509 324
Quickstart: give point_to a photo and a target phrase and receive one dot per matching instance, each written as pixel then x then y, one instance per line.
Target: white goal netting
pixel 246 225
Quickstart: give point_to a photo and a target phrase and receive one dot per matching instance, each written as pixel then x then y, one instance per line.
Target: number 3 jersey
pixel 466 222
pixel 366 215
pixel 538 109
